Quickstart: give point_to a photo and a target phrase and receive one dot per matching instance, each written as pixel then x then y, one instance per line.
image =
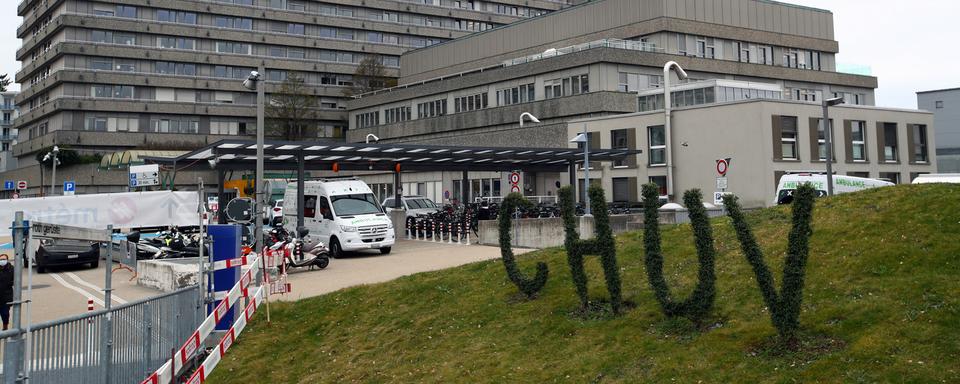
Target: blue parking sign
pixel 69 186
pixel 9 185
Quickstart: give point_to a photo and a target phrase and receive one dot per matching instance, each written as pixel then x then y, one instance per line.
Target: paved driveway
pixel 408 257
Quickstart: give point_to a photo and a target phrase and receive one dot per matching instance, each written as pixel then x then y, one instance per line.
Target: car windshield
pixel 422 203
pixel 357 204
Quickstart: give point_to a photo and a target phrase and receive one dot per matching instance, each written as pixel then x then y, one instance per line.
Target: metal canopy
pixel 284 155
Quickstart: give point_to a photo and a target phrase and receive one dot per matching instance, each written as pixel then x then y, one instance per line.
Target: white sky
pixel 907 44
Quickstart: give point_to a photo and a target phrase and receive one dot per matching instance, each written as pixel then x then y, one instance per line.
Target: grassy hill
pixel 882 297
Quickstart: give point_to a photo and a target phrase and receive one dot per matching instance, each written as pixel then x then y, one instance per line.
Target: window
pixel 938 104
pixel 125 66
pixel 621 189
pixel 176 16
pixel 368 119
pixel 516 95
pixel 126 11
pixel 822 140
pixel 661 182
pixel 621 139
pixel 893 177
pixel 743 52
pixel 176 43
pixel 112 91
pixel 98 124
pixel 705 47
pixel 657 145
pixel 225 128
pixel 296 29
pixel 398 114
pixel 788 137
pixel 231 47
pixel 889 131
pixel 432 109
pixel 681 44
pixel 233 22
pixel 101 63
pixel 470 103
pixel 918 134
pixel 858 140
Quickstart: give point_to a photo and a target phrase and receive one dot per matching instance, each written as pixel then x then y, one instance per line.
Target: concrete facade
pixel 8 137
pixel 124 66
pixel 745 132
pixel 945 105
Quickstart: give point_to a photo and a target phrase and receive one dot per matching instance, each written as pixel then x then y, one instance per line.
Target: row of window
pixel 469 103
pixel 746 52
pixel 520 94
pixel 432 109
pixel 855 138
pixel 368 119
pixel 398 114
pixel 567 86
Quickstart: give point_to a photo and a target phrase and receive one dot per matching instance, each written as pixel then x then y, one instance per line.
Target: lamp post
pixel 255 82
pixel 528 115
pixel 682 75
pixel 52 157
pixel 584 138
pixel 828 139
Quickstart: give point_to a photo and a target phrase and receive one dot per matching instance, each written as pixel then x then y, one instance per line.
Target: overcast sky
pixel 905 43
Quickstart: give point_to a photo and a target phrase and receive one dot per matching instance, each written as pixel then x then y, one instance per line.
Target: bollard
pixel 409 229
pixel 433 230
pixel 90 309
pixel 459 232
pixel 468 234
pixel 450 232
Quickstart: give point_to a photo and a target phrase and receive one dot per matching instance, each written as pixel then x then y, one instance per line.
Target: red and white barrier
pixel 171 368
pixel 232 263
pixel 227 341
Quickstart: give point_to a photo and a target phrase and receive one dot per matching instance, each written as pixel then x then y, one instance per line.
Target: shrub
pixel 785 305
pixel 699 304
pixel 602 245
pixel 529 287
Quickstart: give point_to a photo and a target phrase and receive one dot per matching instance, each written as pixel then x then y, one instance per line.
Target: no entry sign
pixel 723 165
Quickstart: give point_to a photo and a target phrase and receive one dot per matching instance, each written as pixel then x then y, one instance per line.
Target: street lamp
pixel 584 138
pixel 52 156
pixel 682 75
pixel 532 118
pixel 828 138
pixel 254 82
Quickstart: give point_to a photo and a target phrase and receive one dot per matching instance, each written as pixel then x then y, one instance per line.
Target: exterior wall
pixel 8 134
pixel 746 20
pixel 743 131
pixel 946 117
pixel 57 48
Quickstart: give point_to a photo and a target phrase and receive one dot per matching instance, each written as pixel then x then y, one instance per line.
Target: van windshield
pixel 357 204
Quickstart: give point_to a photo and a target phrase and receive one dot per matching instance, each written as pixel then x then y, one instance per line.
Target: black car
pixel 57 253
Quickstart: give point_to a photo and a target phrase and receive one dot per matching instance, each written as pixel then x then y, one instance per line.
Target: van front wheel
pixel 335 250
pixel 385 250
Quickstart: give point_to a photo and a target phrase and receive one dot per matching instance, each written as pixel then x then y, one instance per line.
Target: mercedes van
pixel 841 184
pixel 341 212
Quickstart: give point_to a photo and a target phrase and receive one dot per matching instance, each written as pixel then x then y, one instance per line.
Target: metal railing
pixel 75 349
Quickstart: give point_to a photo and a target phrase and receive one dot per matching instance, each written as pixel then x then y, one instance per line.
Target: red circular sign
pixel 722 167
pixel 515 189
pixel 515 178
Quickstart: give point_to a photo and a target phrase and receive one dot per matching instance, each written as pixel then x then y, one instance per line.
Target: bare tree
pixel 370 76
pixel 292 110
pixel 4 82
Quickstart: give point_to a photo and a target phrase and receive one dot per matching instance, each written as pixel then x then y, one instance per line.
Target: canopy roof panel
pixel 283 155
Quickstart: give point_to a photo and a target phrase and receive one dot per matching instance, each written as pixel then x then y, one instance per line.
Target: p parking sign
pixel 69 188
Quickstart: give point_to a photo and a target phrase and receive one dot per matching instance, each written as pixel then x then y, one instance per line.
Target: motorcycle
pixel 291 250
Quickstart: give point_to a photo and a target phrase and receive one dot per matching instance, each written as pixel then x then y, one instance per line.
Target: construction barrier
pixel 173 366
pixel 206 368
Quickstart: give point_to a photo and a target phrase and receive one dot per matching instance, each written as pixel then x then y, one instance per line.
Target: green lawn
pixel 883 284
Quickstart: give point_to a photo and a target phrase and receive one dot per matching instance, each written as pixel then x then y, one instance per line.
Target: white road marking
pixel 113 296
pixel 77 289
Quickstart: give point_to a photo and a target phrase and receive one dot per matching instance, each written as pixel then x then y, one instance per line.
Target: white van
pixel 841 184
pixel 341 212
pixel 951 178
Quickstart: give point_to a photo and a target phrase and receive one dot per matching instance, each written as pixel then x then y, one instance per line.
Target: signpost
pixel 69 188
pixel 515 181
pixel 21 185
pixel 9 185
pixel 144 175
pixel 723 165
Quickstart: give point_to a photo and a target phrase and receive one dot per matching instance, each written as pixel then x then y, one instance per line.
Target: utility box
pixel 226 245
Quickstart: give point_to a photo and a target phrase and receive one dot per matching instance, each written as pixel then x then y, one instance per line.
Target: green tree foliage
pixel 67 157
pixel 574 259
pixel 371 75
pixel 529 287
pixel 292 110
pixel 699 304
pixel 602 244
pixel 784 305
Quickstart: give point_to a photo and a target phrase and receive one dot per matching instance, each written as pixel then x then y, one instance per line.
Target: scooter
pixel 292 252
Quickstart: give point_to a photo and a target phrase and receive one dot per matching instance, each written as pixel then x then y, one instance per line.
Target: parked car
pixel 414 205
pixel 63 252
pixel 277 213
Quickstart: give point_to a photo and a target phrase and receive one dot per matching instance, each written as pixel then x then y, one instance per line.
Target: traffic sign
pixel 144 175
pixel 721 183
pixel 723 165
pixel 515 178
pixel 515 188
pixel 69 188
pixel 9 185
pixel 21 185
pixel 718 197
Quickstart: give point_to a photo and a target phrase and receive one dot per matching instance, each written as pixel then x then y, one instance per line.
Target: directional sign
pixel 21 185
pixel 9 185
pixel 144 175
pixel 57 231
pixel 69 188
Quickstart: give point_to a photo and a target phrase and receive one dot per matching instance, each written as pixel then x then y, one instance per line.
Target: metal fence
pixel 74 350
